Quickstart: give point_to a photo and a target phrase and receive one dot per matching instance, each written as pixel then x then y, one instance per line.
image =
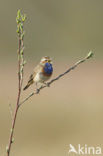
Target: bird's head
pixel 45 59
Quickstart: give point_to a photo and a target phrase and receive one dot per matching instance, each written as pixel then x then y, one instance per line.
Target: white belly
pixel 39 77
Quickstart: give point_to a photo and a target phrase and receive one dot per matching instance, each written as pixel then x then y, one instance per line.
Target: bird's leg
pixel 47 84
pixel 37 90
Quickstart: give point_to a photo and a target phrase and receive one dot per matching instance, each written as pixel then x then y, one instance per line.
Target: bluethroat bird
pixel 42 72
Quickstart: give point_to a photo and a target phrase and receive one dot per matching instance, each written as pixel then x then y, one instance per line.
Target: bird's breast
pixel 47 70
pixel 44 74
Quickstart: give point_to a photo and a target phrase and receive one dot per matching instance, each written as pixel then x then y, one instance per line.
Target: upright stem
pixel 17 103
pixel 20 19
pixel 12 130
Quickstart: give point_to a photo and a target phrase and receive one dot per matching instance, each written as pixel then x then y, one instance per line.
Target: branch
pixel 20 21
pixel 90 54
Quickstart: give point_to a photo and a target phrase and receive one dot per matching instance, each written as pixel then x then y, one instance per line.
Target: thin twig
pixel 20 20
pixel 17 103
pixel 90 54
pixel 22 59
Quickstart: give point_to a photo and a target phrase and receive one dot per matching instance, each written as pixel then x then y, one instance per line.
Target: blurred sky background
pixel 71 110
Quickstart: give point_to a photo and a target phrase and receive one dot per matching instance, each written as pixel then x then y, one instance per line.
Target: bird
pixel 42 72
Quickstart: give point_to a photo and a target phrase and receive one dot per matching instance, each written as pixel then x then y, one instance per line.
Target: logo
pixel 88 150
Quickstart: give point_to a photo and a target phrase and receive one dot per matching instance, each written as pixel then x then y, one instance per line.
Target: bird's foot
pixel 47 84
pixel 37 91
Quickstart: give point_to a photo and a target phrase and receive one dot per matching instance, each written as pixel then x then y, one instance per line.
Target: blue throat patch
pixel 48 69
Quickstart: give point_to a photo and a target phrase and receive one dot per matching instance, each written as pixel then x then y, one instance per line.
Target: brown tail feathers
pixel 26 87
pixel 28 84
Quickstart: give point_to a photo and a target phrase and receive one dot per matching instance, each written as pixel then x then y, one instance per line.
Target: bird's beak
pixel 50 61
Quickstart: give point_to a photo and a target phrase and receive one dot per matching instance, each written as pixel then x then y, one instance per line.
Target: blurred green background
pixel 71 110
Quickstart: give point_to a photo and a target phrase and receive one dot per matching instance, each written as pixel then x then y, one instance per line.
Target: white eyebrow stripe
pixel 43 59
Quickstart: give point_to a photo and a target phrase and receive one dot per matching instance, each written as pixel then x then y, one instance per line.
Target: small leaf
pixel 90 54
pixel 7 148
pixel 24 18
pixel 18 30
pixel 21 51
pixel 18 14
pixel 21 27
pixel 11 130
pixel 24 62
pixel 12 140
pixel 22 35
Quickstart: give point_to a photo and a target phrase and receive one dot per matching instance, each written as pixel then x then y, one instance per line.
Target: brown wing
pixel 31 78
pixel 30 81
